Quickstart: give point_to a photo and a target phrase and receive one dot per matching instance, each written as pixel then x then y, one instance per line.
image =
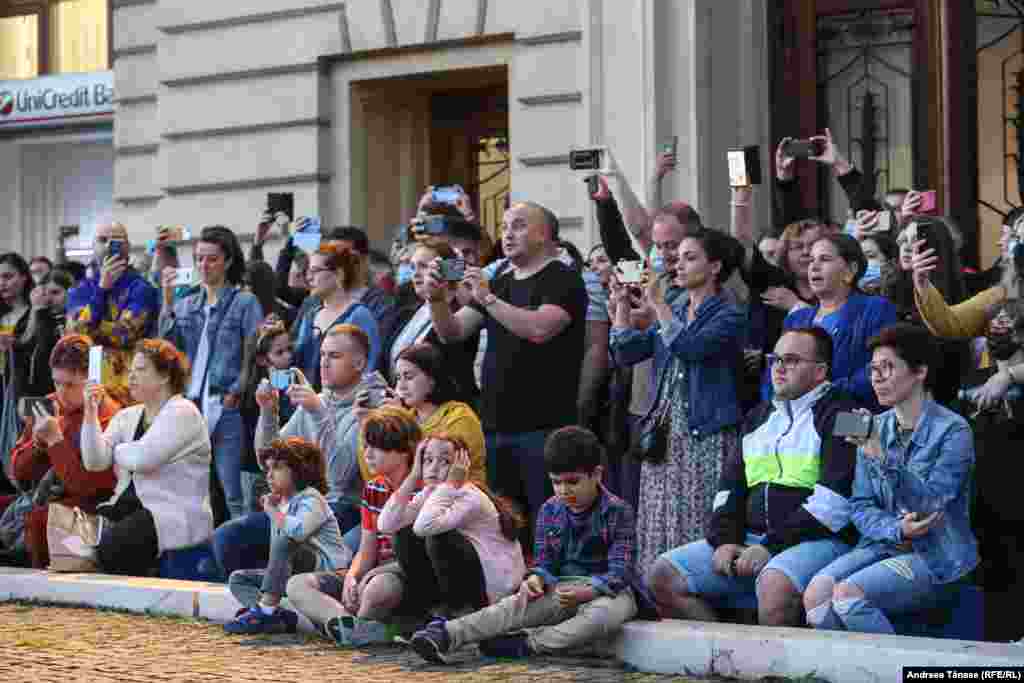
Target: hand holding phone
pixel 96 364
pixel 281 379
pixel 853 425
pixel 630 272
pixel 184 277
pixel 453 270
pixel 449 194
pixel 803 149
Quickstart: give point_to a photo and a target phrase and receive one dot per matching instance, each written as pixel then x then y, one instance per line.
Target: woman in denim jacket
pixel 698 344
pixel 911 498
pixel 211 327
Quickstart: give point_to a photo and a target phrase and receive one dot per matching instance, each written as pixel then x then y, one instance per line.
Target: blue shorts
pixel 799 564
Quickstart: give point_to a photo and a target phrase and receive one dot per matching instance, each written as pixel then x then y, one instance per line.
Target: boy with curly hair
pixel 304 536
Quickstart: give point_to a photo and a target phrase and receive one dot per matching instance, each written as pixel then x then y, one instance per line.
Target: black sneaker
pixel 432 642
pixel 513 646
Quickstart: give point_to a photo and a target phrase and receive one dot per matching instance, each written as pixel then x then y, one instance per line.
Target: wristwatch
pixel 488 300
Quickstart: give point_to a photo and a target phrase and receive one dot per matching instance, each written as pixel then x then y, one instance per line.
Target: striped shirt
pixel 375 494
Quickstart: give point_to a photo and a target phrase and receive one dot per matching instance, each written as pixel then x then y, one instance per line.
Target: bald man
pixel 534 311
pixel 115 306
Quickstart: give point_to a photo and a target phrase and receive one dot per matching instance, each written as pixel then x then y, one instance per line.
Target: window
pixel 19 46
pixel 40 37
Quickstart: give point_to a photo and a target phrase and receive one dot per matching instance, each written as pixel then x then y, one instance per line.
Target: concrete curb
pixel 665 647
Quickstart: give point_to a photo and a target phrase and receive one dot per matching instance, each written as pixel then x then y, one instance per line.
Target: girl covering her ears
pixel 455 541
pixel 267 350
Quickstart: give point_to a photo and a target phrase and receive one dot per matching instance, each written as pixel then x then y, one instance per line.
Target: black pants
pixel 128 544
pixel 442 569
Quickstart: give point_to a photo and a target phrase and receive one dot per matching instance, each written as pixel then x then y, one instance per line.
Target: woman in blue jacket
pixel 910 501
pixel 850 317
pixel 698 341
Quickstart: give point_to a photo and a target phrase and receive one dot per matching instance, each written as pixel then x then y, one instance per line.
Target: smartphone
pixel 744 166
pixel 925 231
pixel 281 379
pixel 446 195
pixel 630 272
pixel 378 391
pixel 884 223
pixel 116 249
pixel 928 200
pixel 803 149
pixel 434 225
pixel 183 277
pixel 28 404
pixel 281 201
pixel 585 159
pixel 671 146
pixel 593 185
pixel 96 364
pixel 453 269
pixel 856 425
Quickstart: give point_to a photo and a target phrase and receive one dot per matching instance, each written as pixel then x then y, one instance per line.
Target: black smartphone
pixel 856 425
pixel 926 232
pixel 592 184
pixel 671 146
pixel 803 149
pixel 281 201
pixel 585 159
pixel 453 269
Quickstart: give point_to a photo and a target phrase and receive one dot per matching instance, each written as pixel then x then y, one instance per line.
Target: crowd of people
pixel 482 438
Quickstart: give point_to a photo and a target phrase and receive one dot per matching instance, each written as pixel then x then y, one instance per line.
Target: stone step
pixel 666 647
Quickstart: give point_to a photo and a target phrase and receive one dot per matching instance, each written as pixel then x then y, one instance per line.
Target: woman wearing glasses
pixel 333 279
pixel 911 497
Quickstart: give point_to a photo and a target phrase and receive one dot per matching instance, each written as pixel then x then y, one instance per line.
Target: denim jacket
pixel 711 348
pixel 234 319
pixel 929 474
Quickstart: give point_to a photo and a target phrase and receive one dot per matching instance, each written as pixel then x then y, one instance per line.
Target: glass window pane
pixel 78 36
pixel 19 47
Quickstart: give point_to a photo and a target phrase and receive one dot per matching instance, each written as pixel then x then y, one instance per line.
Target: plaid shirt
pixel 602 547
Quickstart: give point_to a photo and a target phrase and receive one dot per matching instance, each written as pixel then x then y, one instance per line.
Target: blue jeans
pixel 515 468
pixel 799 564
pixel 893 582
pixel 244 543
pixel 227 441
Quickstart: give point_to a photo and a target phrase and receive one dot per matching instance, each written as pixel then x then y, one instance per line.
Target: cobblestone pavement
pixel 75 645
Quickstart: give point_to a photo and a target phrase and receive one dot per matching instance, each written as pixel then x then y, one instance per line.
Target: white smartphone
pixel 630 272
pixel 96 364
pixel 183 277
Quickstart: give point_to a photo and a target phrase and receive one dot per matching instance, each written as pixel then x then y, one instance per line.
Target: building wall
pixel 220 103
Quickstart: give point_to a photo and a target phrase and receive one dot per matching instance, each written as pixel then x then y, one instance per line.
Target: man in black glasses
pixel 782 511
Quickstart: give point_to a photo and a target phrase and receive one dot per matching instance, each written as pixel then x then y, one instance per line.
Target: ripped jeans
pixel 893 582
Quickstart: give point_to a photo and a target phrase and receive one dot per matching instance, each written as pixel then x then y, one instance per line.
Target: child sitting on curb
pixel 455 541
pixel 350 605
pixel 304 536
pixel 584 586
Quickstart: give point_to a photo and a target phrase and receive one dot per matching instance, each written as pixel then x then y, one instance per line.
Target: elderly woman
pixel 160 450
pixel 911 498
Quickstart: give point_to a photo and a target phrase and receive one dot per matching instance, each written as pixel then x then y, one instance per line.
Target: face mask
pixel 565 257
pixel 404 274
pixel 657 262
pixel 873 272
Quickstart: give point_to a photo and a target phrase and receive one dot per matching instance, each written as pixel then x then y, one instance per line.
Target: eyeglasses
pixel 881 371
pixel 790 362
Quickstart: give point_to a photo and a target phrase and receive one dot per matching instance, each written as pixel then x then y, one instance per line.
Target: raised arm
pixel 178 428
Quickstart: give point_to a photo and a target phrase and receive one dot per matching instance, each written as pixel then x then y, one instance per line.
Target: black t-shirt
pixel 526 386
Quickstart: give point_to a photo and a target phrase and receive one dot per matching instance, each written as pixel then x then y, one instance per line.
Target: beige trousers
pixel 553 628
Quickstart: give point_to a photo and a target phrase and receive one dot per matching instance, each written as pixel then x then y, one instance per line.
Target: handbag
pixel 649 442
pixel 72 537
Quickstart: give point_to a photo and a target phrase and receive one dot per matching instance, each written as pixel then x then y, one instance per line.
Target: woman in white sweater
pixel 455 542
pixel 160 451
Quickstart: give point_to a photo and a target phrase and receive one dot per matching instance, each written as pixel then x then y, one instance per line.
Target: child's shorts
pixel 333 583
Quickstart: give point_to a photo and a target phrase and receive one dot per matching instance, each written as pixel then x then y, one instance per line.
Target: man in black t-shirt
pixel 534 311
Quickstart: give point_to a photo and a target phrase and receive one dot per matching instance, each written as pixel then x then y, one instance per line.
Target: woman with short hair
pixel 911 498
pixel 160 451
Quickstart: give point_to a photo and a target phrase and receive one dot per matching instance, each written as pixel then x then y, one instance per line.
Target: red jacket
pixel 81 488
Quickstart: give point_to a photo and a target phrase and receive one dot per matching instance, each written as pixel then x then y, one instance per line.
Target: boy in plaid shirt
pixel 584 585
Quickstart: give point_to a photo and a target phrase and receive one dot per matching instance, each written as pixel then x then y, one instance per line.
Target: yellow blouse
pixel 962 321
pixel 457 419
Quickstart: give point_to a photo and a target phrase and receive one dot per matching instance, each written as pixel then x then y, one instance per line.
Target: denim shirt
pixel 233 320
pixel 711 348
pixel 930 473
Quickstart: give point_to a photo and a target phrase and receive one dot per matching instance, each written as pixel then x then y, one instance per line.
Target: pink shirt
pixel 468 510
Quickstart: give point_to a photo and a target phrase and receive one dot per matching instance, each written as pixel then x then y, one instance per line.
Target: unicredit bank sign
pixel 55 100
